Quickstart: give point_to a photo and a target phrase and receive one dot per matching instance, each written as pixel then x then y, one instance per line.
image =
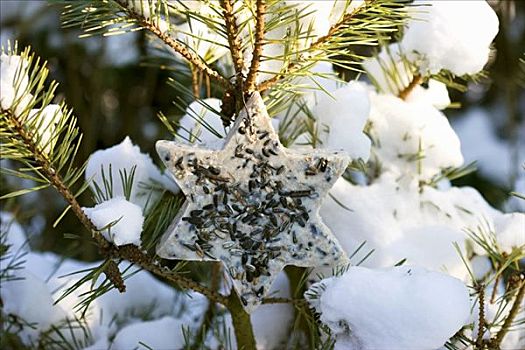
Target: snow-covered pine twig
pixel 424 53
pixel 29 135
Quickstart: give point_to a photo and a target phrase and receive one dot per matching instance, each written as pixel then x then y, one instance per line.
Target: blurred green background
pixel 115 93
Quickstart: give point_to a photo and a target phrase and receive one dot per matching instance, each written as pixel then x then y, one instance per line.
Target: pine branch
pixel 258 46
pixel 265 85
pixel 181 49
pixel 365 25
pixel 112 17
pixel 56 180
pixel 416 81
pixel 481 320
pixel 51 174
pixel 232 31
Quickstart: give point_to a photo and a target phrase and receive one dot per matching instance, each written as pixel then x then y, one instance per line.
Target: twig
pixel 57 182
pixel 233 38
pixel 495 287
pixel 265 85
pixel 520 294
pixel 416 80
pixel 175 45
pixel 54 178
pixel 481 321
pixel 297 302
pixel 135 255
pixel 207 85
pixel 257 48
pixel 241 324
pixel 195 85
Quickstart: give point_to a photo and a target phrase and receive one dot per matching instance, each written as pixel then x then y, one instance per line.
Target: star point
pixel 252 205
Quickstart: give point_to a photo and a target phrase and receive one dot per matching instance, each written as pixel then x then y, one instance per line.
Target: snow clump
pixel 342 117
pixel 396 308
pixel 14 83
pixel 412 137
pixel 46 121
pixel 451 35
pixel 125 157
pixel 125 218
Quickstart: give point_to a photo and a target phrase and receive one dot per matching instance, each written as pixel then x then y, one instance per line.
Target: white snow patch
pixel 436 94
pixel 14 83
pixel 481 267
pixel 164 333
pixel 124 157
pixel 412 138
pixel 452 35
pixel 397 308
pixel 30 299
pixel 271 323
pixel 126 217
pixel 460 207
pixel 342 118
pixel 200 124
pixel 399 221
pixel 510 231
pixel 46 120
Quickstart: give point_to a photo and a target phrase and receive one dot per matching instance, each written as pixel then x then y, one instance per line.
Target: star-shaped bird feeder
pixel 252 205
